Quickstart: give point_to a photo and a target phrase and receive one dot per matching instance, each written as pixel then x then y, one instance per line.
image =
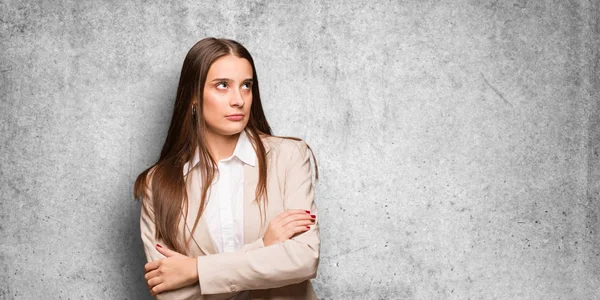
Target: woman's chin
pixel 231 130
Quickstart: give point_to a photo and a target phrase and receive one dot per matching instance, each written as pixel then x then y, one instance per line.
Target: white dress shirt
pixel 224 210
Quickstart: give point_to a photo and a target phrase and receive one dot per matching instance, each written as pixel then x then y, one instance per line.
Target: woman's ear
pixel 194 105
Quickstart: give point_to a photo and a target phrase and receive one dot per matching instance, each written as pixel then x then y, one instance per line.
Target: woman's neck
pixel 221 146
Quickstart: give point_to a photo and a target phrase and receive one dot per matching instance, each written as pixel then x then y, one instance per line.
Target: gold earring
pixel 193 110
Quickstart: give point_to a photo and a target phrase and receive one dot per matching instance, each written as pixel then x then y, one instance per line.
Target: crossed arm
pixel 277 259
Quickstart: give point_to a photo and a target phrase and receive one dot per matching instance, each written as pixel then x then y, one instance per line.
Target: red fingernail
pixel 308 227
pixel 313 216
pixel 307 211
pixel 159 246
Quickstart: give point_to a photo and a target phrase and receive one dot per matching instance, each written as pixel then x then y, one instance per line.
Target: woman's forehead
pixel 230 67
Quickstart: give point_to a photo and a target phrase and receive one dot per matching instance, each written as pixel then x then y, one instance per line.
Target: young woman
pixel 228 210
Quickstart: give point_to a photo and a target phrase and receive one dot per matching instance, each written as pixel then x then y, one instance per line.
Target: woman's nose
pixel 237 99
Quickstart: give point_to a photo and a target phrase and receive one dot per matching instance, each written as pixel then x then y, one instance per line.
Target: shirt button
pixel 233 288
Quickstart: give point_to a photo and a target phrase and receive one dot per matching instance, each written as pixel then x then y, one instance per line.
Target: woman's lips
pixel 235 117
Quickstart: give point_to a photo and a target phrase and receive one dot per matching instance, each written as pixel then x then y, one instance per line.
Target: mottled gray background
pixel 457 140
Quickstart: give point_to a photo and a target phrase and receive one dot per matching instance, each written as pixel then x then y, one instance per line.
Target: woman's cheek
pixel 211 105
pixel 210 115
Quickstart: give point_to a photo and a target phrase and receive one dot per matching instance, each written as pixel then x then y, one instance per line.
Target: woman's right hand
pixel 288 224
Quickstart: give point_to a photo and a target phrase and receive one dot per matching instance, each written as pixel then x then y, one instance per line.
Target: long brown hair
pixel 186 134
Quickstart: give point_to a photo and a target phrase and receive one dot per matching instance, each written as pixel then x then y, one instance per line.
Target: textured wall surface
pixel 458 141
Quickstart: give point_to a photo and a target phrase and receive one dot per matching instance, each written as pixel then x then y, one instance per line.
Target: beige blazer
pixel 280 271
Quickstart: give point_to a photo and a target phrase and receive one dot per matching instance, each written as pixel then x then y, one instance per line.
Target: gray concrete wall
pixel 458 141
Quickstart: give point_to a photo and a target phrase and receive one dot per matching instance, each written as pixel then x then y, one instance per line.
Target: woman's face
pixel 227 95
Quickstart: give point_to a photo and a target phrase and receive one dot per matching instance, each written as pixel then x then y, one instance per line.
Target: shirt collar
pixel 243 151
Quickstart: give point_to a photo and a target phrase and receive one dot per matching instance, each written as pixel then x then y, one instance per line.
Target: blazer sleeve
pixel 148 230
pixel 289 262
pixel 259 243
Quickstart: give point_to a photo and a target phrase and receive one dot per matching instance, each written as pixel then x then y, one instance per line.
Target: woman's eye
pixel 222 85
pixel 247 85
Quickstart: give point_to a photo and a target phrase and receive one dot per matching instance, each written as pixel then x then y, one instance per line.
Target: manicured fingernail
pixel 307 211
pixel 313 216
pixel 312 220
pixel 159 246
pixel 308 227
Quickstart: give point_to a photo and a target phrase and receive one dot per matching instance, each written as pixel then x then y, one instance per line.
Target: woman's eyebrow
pixel 222 79
pixel 229 80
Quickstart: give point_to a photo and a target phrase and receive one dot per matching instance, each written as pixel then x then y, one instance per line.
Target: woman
pixel 228 210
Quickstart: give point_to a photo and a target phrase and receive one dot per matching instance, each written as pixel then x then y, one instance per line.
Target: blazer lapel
pixel 251 212
pixel 252 220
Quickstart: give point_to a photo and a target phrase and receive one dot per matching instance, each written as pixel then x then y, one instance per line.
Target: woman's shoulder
pixel 291 153
pixel 284 144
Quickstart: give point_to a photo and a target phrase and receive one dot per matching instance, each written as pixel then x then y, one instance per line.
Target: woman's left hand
pixel 170 273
